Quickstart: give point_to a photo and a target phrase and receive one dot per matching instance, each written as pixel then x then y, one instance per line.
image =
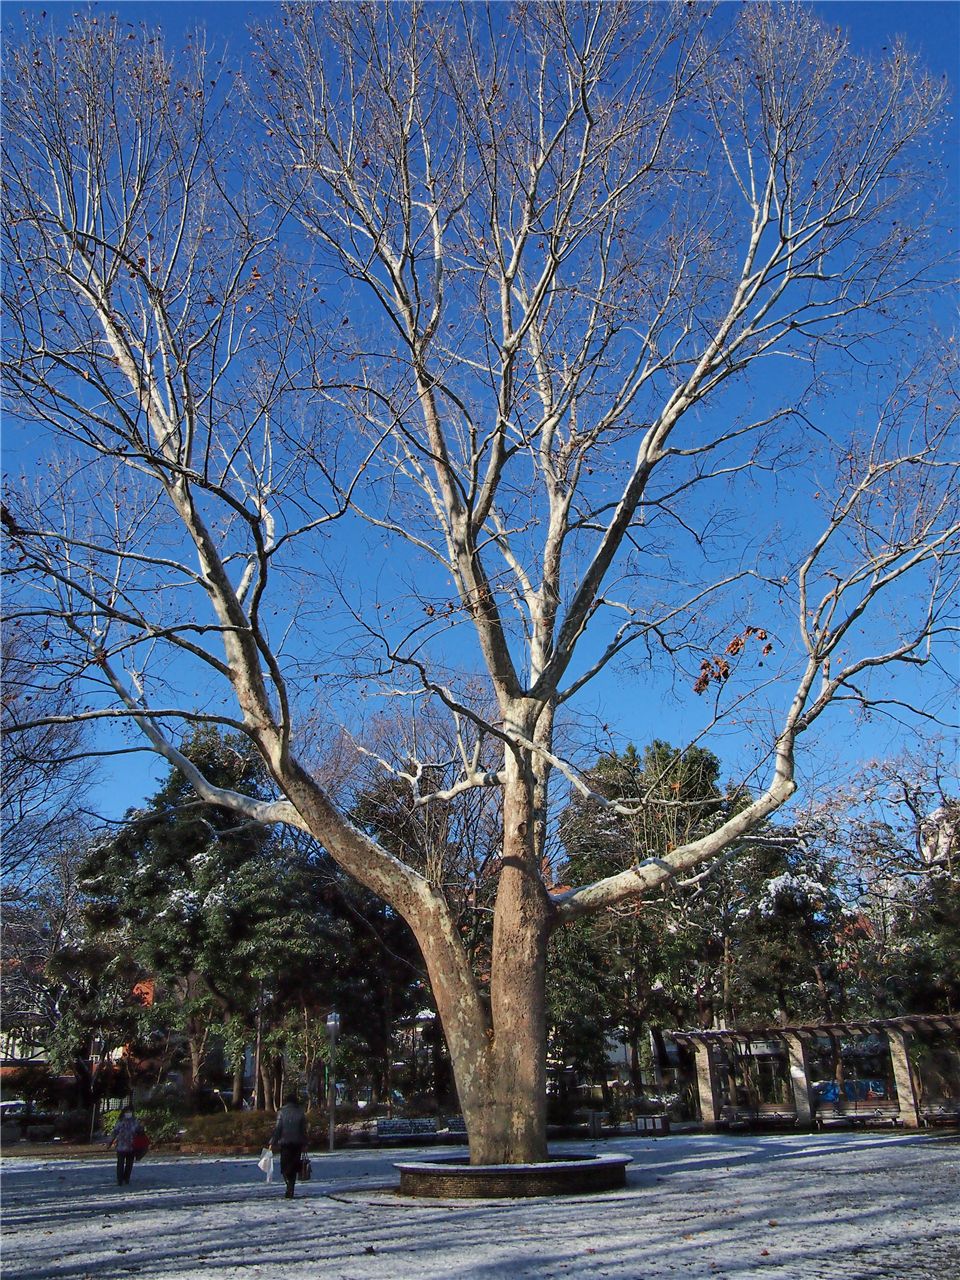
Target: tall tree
pixel 897 830
pixel 616 975
pixel 509 301
pixel 69 997
pixel 247 932
pixel 922 952
pixel 788 936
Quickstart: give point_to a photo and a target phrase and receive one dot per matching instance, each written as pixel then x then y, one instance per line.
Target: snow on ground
pixel 840 1206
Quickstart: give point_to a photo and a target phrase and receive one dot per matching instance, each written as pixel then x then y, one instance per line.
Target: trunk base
pixel 456 1179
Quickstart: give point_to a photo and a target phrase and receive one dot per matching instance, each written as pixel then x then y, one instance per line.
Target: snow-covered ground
pixel 795 1207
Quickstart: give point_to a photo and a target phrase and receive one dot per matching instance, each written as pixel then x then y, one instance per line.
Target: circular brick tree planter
pixel 456 1179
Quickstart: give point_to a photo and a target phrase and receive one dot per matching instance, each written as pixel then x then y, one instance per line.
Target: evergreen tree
pixel 923 957
pixel 788 934
pixel 65 993
pixel 249 931
pixel 615 976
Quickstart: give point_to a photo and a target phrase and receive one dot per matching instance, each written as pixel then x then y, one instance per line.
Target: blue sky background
pixel 932 27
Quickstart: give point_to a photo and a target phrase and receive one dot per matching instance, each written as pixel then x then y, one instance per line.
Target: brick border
pixel 456 1179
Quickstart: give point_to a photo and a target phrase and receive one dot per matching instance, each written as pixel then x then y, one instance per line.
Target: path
pixel 796 1207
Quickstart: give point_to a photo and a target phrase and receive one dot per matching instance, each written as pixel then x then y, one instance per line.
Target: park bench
pixel 883 1113
pixel 940 1113
pixel 829 1115
pixel 857 1114
pixel 402 1130
pixel 733 1118
pixel 764 1114
pixel 456 1125
pixel 774 1113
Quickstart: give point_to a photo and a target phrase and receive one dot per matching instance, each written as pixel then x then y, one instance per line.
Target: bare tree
pixel 46 769
pixel 486 364
pixel 424 814
pixel 897 823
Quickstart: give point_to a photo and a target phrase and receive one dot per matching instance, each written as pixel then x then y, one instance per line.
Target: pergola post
pixel 798 1056
pixel 903 1078
pixel 706 1084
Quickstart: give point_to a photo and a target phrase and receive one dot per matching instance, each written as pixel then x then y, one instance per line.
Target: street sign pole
pixel 333 1029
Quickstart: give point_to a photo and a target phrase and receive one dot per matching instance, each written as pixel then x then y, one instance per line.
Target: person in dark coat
pixel 290 1139
pixel 127 1128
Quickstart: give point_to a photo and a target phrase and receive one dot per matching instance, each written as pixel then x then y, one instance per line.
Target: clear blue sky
pixel 930 26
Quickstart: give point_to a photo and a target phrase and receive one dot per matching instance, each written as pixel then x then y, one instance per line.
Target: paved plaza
pixel 796 1207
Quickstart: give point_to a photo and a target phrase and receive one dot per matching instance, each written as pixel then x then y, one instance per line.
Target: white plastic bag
pixel 266 1163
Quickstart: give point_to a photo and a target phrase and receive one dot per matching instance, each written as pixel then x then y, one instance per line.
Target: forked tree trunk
pixel 498 1047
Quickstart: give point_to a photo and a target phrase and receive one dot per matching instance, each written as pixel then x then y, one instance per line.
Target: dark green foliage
pixel 673 797
pixel 251 932
pixel 244 1131
pixel 225 917
pixel 161 1123
pixel 924 954
pixel 786 931
pixel 67 993
pixel 98 1012
pixel 613 975
pixel 186 885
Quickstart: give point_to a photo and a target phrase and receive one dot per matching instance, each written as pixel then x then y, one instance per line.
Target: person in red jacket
pixel 126 1131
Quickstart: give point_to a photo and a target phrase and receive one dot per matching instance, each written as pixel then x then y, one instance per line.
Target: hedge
pixel 244 1130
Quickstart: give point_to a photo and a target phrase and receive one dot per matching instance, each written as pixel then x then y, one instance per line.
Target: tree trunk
pixel 507 1117
pixel 83 1075
pixel 386 1084
pixel 498 1048
pixel 826 1004
pixel 236 1100
pixel 258 1093
pixel 197 1055
pixel 268 1082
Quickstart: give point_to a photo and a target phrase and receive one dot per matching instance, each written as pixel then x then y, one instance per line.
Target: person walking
pixel 290 1139
pixel 125 1133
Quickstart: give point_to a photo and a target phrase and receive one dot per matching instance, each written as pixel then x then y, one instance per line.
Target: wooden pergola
pixel 714 1048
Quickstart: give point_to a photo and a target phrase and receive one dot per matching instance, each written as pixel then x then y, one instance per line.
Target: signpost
pixel 333 1029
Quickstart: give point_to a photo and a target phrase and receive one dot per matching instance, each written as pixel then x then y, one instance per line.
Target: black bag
pixel 306 1169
